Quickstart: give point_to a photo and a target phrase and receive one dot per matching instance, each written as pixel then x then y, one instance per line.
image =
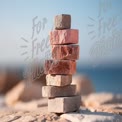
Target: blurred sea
pixel 104 79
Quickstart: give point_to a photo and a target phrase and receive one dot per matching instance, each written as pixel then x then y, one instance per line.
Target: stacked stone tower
pixel 61 94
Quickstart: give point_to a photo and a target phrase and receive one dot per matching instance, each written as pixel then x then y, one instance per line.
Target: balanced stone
pixel 55 91
pixel 58 80
pixel 62 21
pixel 69 52
pixel 64 104
pixel 67 36
pixel 60 67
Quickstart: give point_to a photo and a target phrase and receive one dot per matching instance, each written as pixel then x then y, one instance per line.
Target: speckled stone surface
pixel 69 52
pixel 67 36
pixel 58 80
pixel 64 104
pixel 55 91
pixel 62 21
pixel 60 67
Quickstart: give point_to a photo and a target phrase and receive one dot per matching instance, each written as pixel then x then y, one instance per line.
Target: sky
pixel 23 21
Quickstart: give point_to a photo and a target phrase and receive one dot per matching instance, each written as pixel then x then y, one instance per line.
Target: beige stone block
pixel 55 91
pixel 58 80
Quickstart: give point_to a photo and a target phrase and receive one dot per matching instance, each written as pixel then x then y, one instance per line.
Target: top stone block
pixel 62 21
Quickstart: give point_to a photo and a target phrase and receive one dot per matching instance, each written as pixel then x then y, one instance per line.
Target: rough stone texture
pixel 37 110
pixel 60 67
pixel 32 105
pixel 64 104
pixel 109 108
pixel 83 84
pixel 28 118
pixel 98 99
pixel 58 80
pixel 103 102
pixel 24 91
pixel 55 91
pixel 62 21
pixel 52 118
pixel 9 115
pixel 39 116
pixel 68 36
pixel 86 116
pixel 69 52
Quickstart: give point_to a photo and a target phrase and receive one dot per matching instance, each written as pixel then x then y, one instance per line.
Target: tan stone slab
pixel 64 104
pixel 86 116
pixel 58 80
pixel 55 91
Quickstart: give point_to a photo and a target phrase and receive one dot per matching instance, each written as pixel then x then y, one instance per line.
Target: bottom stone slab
pixel 64 104
pixel 87 116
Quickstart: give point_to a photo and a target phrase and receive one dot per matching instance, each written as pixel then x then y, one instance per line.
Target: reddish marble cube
pixel 60 67
pixel 68 52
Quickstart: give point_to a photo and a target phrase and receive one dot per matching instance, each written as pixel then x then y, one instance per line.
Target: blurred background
pixel 24 41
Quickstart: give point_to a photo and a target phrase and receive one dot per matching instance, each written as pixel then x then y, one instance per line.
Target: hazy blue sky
pixel 98 21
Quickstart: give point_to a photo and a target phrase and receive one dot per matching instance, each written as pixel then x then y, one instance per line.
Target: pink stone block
pixel 67 36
